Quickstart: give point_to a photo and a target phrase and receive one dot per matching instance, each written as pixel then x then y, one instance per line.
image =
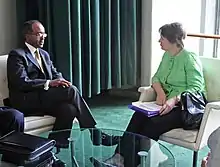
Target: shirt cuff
pixel 46 85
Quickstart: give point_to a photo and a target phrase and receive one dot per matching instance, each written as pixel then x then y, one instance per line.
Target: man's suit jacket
pixel 25 78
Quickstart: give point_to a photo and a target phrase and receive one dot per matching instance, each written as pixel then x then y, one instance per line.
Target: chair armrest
pixel 210 122
pixel 147 94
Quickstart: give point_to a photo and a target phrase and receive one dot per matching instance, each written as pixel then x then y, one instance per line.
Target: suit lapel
pixel 31 58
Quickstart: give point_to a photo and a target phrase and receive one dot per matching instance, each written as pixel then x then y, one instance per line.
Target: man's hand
pixel 168 106
pixel 59 82
pixel 161 98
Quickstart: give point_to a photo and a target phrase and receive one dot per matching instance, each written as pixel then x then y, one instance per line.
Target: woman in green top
pixel 179 71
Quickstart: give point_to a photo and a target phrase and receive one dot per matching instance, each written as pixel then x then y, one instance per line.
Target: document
pixel 148 108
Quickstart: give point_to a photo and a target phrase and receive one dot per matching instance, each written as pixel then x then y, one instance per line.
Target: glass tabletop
pixel 6 164
pixel 148 152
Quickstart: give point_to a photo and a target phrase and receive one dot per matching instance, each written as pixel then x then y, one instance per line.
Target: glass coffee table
pixel 82 149
pixel 6 164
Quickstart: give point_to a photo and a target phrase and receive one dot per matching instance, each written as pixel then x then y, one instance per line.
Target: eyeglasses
pixel 40 34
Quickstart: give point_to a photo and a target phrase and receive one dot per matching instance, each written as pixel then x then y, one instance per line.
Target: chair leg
pixel 195 157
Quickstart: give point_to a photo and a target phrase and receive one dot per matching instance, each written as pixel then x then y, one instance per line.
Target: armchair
pixel 34 125
pixel 196 139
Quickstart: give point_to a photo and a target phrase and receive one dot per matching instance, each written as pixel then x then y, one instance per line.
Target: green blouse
pixel 180 73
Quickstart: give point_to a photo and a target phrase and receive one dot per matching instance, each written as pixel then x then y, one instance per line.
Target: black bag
pixel 25 149
pixel 193 109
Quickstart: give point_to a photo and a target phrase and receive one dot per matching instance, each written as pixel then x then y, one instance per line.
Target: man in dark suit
pixel 36 88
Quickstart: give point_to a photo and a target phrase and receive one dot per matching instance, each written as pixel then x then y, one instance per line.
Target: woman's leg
pixel 161 124
pixel 152 128
pixel 134 127
pixel 130 139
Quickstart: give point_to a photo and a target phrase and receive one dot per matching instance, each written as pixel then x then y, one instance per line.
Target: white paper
pixel 148 106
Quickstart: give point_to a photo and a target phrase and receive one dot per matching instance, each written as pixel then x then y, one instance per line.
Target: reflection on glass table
pixel 148 152
pixel 6 164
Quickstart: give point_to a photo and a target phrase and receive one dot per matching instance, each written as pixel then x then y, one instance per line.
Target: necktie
pixel 38 58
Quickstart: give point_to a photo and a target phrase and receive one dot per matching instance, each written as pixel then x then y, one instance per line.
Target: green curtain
pixel 94 43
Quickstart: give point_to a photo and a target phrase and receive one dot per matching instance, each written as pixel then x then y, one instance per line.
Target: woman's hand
pixel 168 106
pixel 161 98
pixel 205 160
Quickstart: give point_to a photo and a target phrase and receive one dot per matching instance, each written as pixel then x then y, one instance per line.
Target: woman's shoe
pixel 116 160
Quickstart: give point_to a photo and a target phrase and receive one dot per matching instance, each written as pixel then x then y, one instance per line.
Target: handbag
pixel 25 148
pixel 193 104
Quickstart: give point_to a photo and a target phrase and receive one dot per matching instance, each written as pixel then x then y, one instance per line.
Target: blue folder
pixel 147 113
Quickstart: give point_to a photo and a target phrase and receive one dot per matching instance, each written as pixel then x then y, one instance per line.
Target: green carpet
pixel 112 113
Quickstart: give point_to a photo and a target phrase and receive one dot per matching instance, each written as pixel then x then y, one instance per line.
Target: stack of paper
pixel 148 108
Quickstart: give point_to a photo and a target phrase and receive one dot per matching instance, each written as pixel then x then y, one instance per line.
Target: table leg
pixel 73 158
pixel 143 155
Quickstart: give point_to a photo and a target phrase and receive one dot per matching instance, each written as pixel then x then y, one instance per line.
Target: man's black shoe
pixel 62 142
pixel 110 140
pixel 97 163
pixel 99 138
pixel 62 145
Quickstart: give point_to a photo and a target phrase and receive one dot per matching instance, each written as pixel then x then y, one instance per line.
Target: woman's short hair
pixel 174 33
